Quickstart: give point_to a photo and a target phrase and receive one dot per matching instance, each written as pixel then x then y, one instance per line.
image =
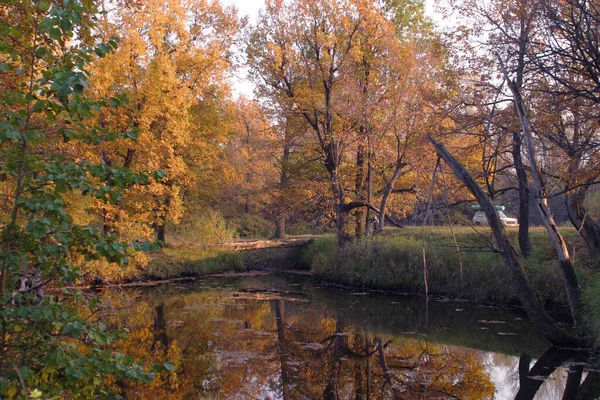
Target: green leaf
pixel 41 52
pixel 55 33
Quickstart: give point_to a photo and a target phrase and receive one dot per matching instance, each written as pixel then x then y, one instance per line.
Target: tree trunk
pixel 524 241
pixel 359 186
pixel 279 227
pixel 531 303
pixel 369 194
pixel 283 181
pixel 560 246
pixel 386 194
pixel 159 225
pixel 340 225
pixel 160 232
pixel 588 229
pixel 160 327
pixel 359 364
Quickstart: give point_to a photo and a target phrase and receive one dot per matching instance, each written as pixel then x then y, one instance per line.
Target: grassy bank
pixel 182 261
pixel 174 262
pixel 394 260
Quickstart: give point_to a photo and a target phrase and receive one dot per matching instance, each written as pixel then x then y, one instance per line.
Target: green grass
pixel 394 260
pixel 189 261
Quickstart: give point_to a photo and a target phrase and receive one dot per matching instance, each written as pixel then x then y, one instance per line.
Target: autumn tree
pixel 172 62
pixel 330 63
pixel 50 343
pixel 513 26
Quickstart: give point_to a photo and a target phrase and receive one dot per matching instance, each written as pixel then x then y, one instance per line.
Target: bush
pixel 250 226
pixel 203 226
pixel 53 346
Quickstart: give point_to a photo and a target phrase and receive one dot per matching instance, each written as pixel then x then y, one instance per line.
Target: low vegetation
pixel 188 261
pixel 395 261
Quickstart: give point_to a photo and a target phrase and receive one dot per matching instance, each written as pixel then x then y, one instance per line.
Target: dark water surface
pixel 280 336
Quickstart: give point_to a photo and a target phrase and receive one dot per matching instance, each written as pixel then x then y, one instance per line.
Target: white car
pixel 480 219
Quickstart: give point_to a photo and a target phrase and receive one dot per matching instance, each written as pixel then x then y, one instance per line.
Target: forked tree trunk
pixel 389 188
pixel 531 303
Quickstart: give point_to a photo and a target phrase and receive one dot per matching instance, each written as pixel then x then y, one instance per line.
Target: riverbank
pixel 393 261
pixel 468 269
pixel 472 270
pixel 194 261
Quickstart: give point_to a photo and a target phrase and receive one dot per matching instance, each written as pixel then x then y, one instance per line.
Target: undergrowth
pixel 394 260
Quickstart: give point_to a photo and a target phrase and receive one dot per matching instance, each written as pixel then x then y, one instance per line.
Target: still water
pixel 281 336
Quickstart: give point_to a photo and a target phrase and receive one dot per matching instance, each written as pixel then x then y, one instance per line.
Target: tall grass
pixel 188 261
pixel 395 261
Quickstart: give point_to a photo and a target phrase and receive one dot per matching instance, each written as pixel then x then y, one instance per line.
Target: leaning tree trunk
pixel 588 229
pixel 531 303
pixel 524 241
pixel 389 189
pixel 560 245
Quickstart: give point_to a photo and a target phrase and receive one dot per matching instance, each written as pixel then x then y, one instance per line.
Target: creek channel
pixel 284 336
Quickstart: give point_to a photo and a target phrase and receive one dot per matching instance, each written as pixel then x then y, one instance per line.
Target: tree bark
pixel 588 229
pixel 389 188
pixel 369 193
pixel 283 181
pixel 531 303
pixel 359 186
pixel 524 240
pixel 560 246
pixel 279 227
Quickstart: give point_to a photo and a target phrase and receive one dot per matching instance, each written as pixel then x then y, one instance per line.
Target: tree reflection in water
pixel 532 379
pixel 272 345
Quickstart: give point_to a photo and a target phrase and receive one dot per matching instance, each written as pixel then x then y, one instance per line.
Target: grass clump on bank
pixel 394 261
pixel 189 261
pixel 591 305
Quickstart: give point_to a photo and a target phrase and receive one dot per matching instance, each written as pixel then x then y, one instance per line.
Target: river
pixel 282 336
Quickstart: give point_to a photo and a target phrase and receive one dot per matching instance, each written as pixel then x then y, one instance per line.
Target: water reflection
pixel 281 337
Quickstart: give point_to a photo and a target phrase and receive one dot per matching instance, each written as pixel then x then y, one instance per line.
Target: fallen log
pixel 261 244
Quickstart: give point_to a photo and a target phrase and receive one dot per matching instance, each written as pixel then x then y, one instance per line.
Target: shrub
pixel 203 226
pixel 251 226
